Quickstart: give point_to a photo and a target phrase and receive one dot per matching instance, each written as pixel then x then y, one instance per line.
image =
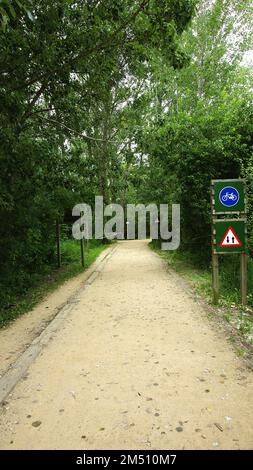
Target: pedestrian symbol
pixel 230 238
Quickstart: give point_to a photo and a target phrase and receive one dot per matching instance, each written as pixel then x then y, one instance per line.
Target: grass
pixel 239 318
pixel 53 277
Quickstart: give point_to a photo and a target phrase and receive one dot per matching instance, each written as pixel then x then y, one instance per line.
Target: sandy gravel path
pixel 18 335
pixel 136 364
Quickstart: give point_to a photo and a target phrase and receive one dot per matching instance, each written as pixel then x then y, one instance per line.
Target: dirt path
pixel 135 365
pixel 17 336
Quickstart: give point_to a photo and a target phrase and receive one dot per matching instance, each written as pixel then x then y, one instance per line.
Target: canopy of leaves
pixel 139 101
pixel 68 71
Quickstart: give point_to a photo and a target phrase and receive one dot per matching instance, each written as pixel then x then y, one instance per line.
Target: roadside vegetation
pixel 138 101
pixel 51 277
pixel 238 317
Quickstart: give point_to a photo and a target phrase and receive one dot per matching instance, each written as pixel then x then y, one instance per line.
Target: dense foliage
pixel 198 124
pixel 126 99
pixel 66 67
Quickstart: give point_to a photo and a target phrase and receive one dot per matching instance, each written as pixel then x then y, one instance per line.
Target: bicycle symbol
pixel 229 196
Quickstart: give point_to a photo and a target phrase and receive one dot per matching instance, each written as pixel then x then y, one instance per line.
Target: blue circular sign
pixel 229 196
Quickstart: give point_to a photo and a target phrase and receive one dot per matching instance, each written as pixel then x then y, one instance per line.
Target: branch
pixel 33 101
pixel 100 46
pixel 129 20
pixel 45 110
pixel 78 133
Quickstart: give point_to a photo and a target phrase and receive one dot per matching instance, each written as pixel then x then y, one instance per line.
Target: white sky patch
pixel 247 60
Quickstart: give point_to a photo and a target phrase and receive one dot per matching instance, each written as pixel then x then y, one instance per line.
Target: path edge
pixel 19 368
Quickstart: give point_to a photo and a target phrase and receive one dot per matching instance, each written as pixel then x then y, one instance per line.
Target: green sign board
pixel 229 236
pixel 228 196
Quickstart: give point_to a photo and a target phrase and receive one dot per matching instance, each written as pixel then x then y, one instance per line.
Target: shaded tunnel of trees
pixel 139 101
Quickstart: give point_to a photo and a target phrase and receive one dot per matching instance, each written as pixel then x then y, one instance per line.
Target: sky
pixel 248 59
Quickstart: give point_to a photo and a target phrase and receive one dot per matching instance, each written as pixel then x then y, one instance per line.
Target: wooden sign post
pixel 82 252
pixel 58 242
pixel 67 220
pixel 229 235
pixel 215 278
pixel 243 278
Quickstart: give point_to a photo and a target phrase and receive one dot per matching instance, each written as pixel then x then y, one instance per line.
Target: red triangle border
pixel 231 244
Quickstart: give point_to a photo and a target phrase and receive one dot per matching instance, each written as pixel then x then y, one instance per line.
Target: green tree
pixel 61 75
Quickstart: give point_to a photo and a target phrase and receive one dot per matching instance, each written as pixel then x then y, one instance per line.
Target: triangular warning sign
pixel 230 238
